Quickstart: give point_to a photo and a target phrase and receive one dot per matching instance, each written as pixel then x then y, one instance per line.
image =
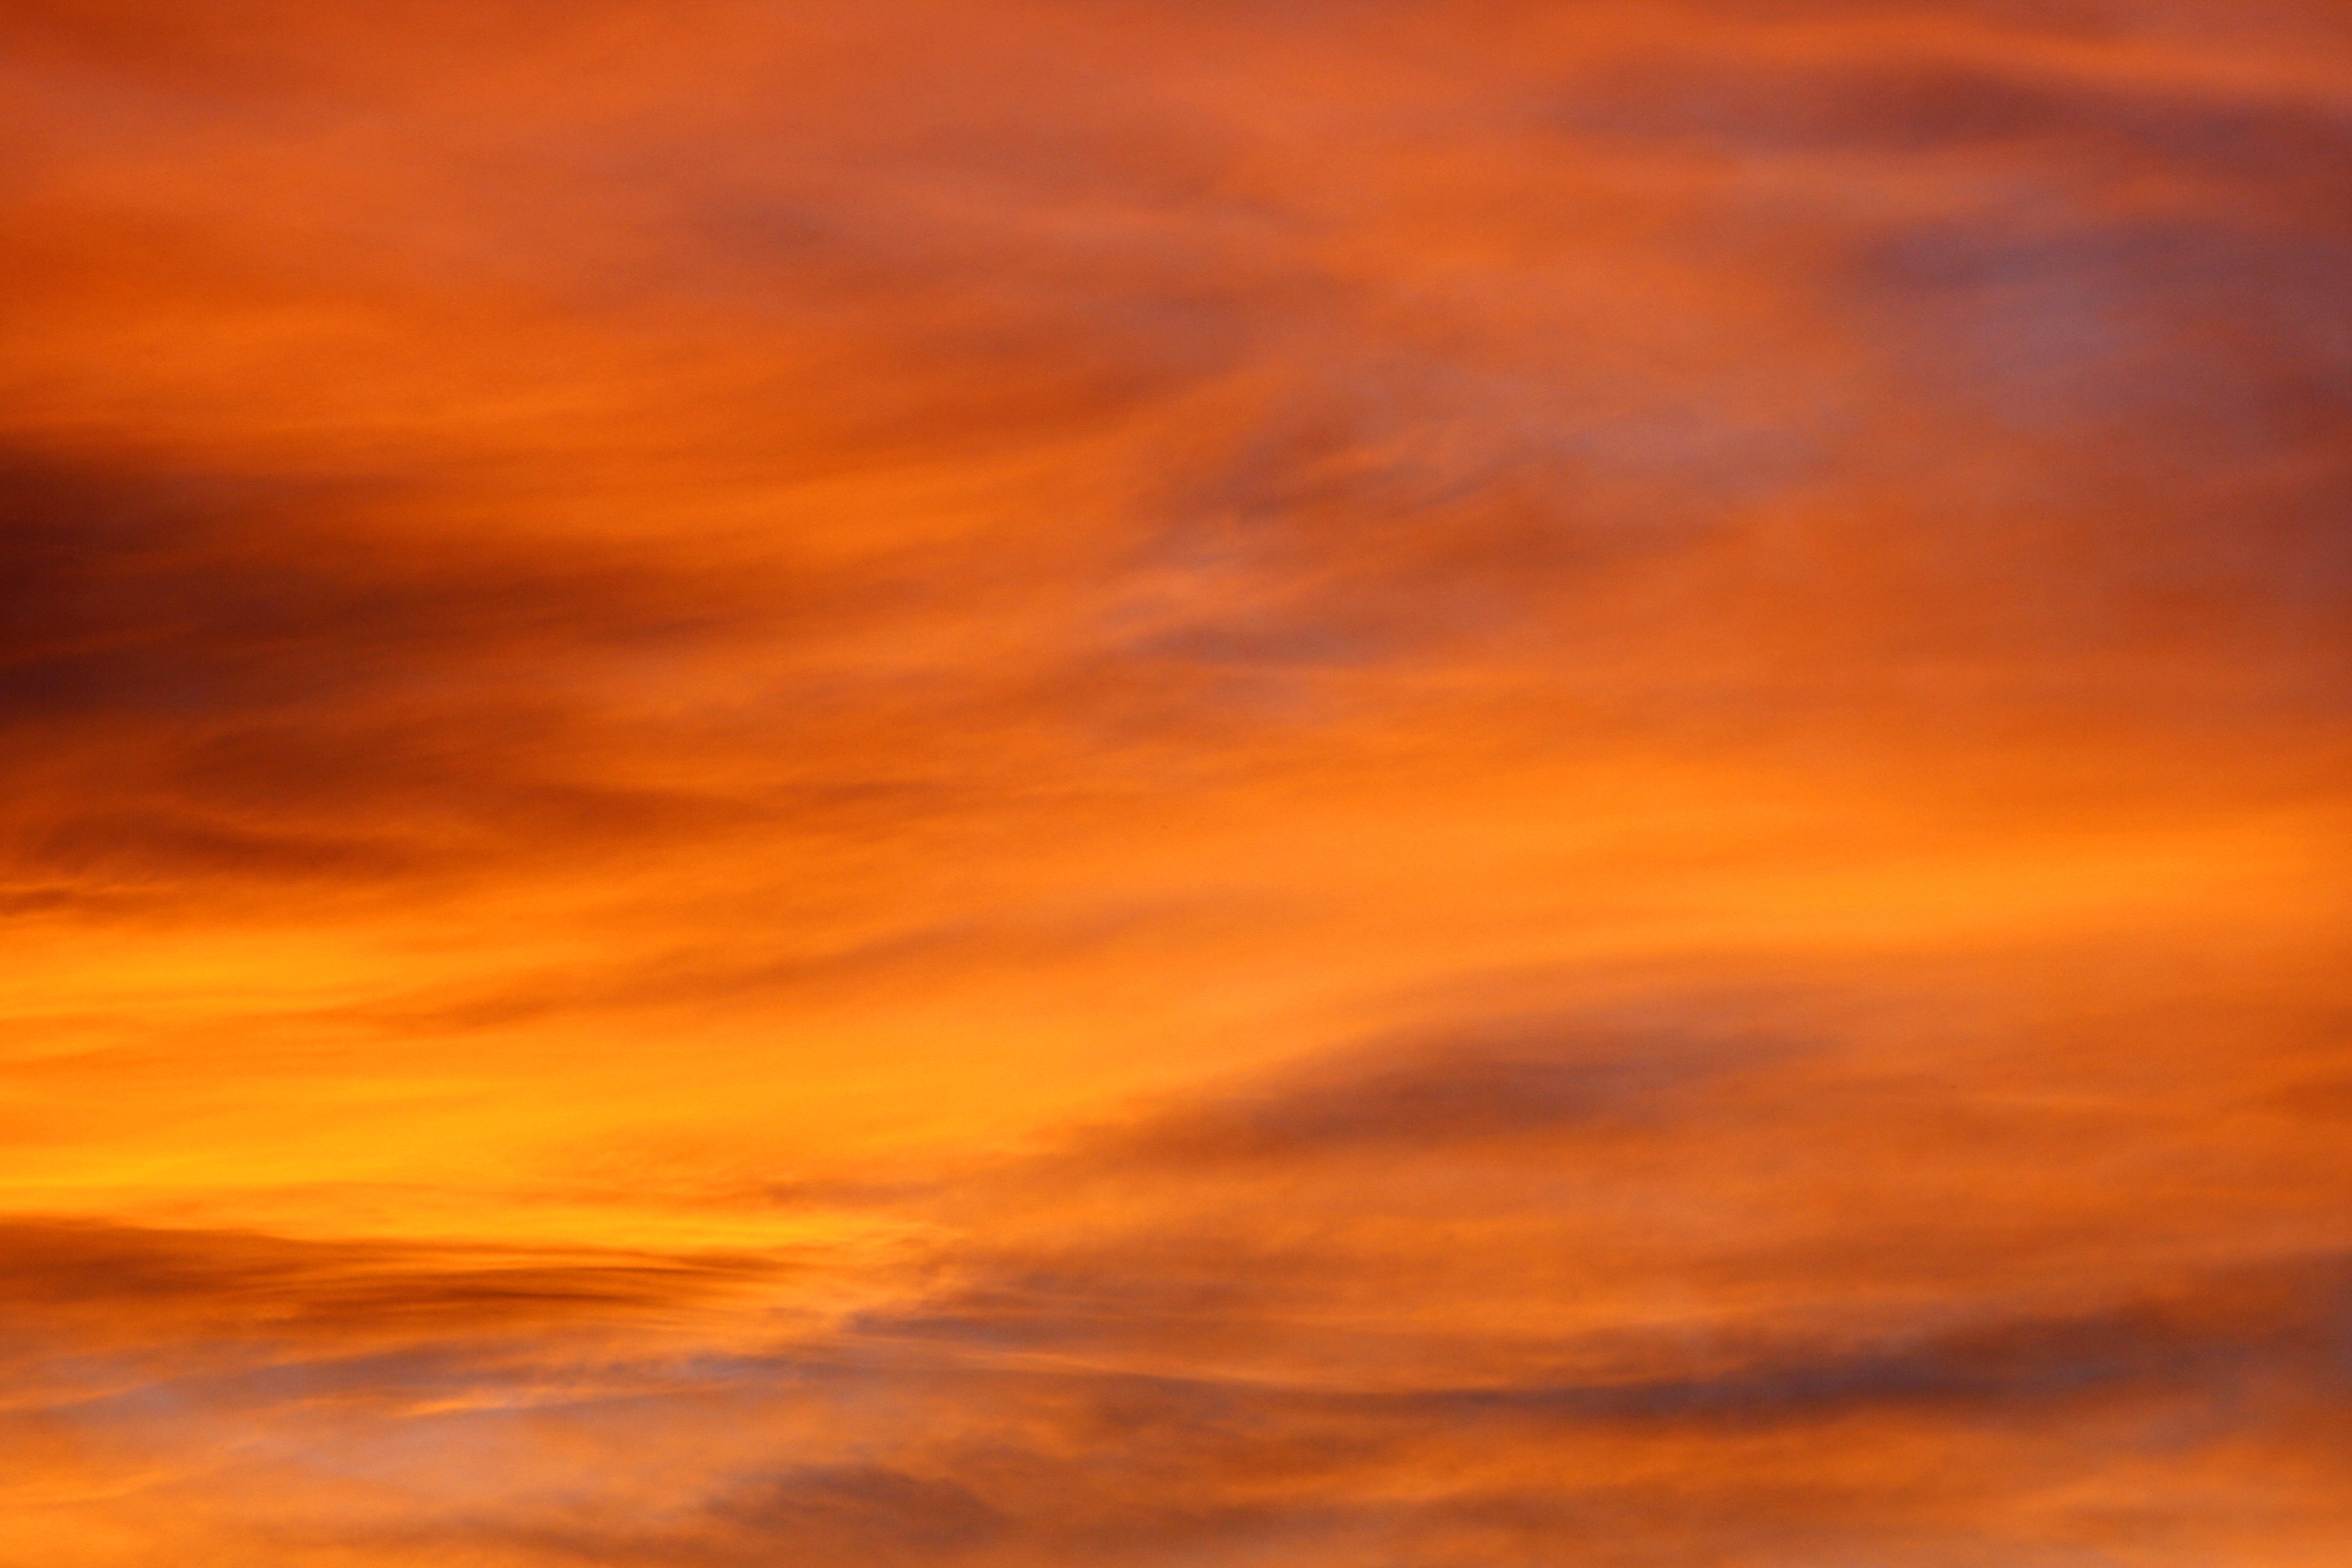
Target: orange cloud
pixel 1048 782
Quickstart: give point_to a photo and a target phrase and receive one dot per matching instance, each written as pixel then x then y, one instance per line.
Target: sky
pixel 1273 783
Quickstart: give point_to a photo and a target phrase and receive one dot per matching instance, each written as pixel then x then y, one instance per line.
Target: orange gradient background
pixel 1332 783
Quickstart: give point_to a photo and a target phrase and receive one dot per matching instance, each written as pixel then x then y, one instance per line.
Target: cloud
pixel 1511 1079
pixel 1763 1458
pixel 1136 784
pixel 156 1288
pixel 234 681
pixel 1288 1320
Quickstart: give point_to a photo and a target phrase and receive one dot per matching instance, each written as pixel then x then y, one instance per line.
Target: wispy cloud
pixel 1126 783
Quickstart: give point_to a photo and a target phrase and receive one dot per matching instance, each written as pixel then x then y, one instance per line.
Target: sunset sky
pixel 1252 783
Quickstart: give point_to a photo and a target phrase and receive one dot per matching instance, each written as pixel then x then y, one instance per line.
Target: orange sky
pixel 1473 785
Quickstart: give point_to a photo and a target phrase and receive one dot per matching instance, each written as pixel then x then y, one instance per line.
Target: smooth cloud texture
pixel 1036 783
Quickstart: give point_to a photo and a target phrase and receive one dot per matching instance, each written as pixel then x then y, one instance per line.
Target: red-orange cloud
pixel 1045 782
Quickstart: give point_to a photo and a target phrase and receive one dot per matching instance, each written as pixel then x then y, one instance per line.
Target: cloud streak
pixel 1116 783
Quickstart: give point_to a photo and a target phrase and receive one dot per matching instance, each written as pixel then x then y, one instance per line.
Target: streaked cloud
pixel 1114 782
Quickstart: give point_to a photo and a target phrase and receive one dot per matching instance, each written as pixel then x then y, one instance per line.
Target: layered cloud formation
pixel 1489 783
